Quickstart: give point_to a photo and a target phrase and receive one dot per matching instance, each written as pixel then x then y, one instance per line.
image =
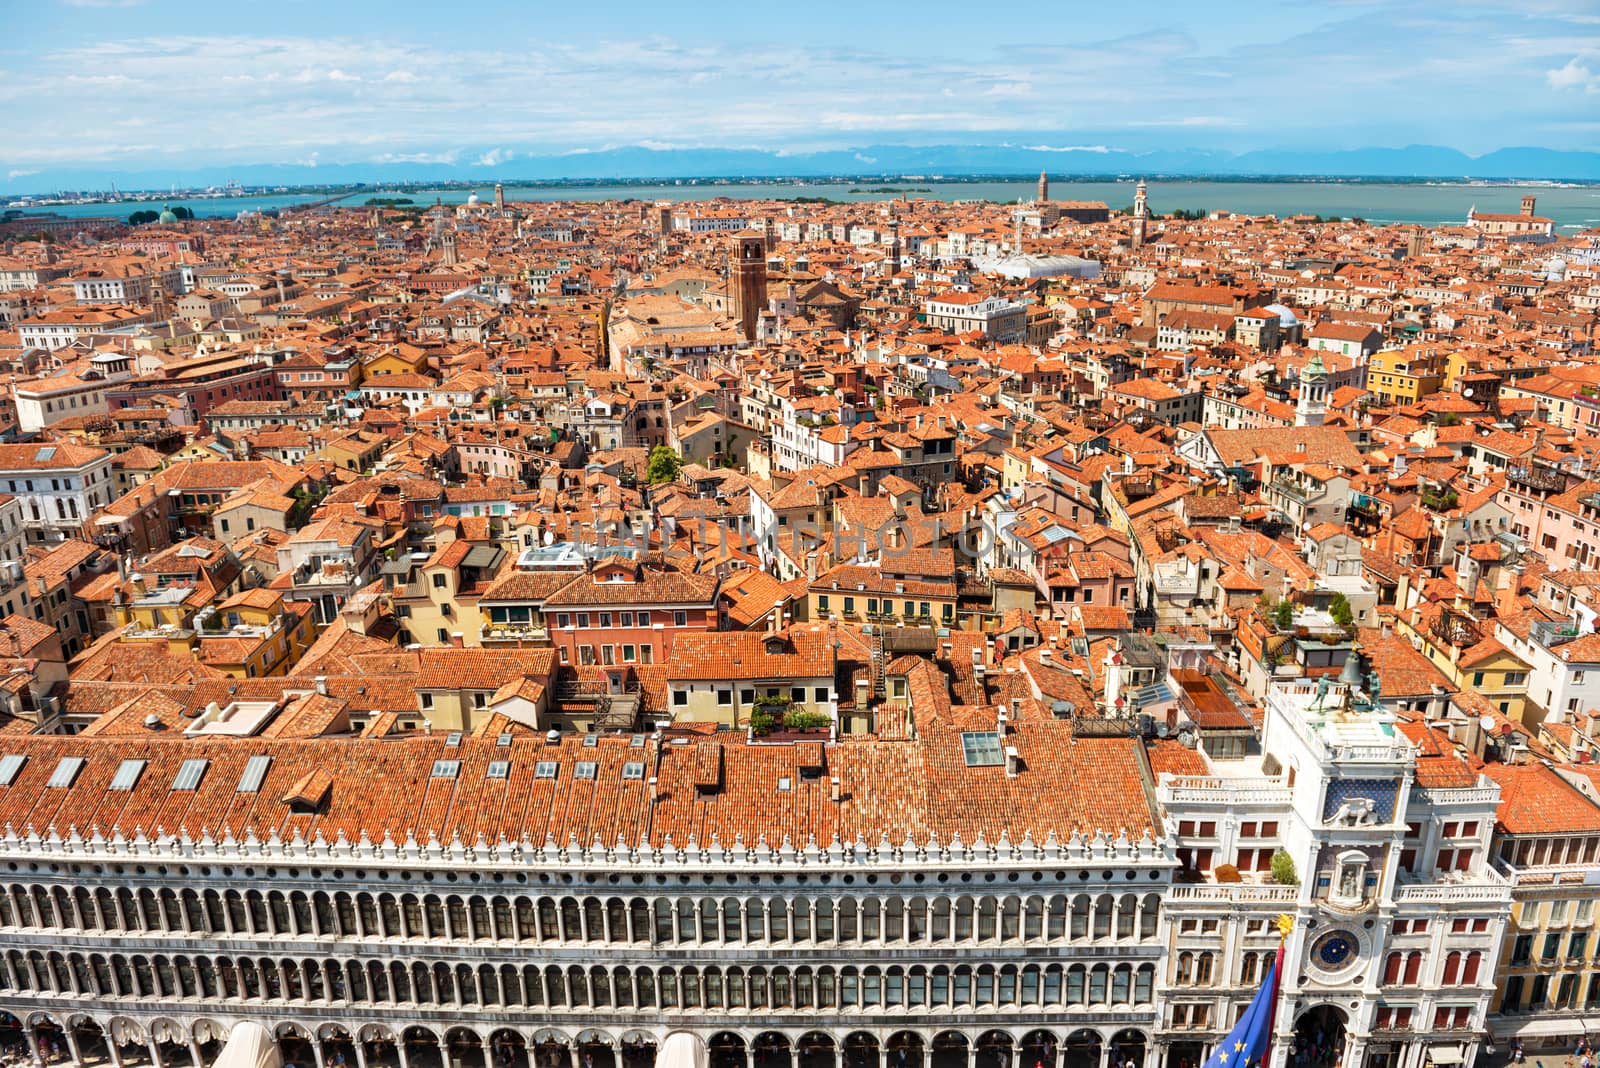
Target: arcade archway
pixel 1319 1036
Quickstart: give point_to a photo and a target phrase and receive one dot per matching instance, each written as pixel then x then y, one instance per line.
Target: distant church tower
pixel 1312 406
pixel 499 199
pixel 748 282
pixel 1044 187
pixel 1141 214
pixel 160 307
pixel 894 249
pixel 449 246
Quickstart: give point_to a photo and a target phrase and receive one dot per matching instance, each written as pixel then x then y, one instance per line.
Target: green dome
pixel 166 215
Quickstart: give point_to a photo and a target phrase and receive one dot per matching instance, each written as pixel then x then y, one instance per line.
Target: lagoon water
pixel 1572 207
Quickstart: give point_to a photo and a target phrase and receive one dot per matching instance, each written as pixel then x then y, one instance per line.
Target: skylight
pixel 633 769
pixel 446 769
pixel 66 772
pixel 127 776
pixel 982 749
pixel 545 769
pixel 10 766
pixel 190 774
pixel 255 770
pixel 585 769
pixel 499 769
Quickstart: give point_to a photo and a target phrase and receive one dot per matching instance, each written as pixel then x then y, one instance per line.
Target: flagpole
pixel 1285 926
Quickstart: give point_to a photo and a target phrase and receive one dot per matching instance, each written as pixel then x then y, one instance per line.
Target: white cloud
pixel 414 93
pixel 1575 75
pixel 19 172
pixel 417 157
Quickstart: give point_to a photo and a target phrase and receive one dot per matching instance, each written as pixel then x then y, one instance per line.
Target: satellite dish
pixel 1486 723
pixel 1467 392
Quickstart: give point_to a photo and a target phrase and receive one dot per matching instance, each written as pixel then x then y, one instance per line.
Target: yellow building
pixel 252 634
pixel 1464 649
pixel 1401 376
pixel 722 677
pixel 904 591
pixel 402 359
pixel 1546 988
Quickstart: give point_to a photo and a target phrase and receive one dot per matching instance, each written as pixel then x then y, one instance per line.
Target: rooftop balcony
pixel 1456 629
pixel 1551 633
pixel 1537 478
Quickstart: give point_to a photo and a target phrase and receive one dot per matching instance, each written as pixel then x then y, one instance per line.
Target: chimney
pixel 1013 762
pixel 835 793
pixel 322 685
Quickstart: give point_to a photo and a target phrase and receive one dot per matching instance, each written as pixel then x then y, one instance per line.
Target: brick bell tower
pixel 747 284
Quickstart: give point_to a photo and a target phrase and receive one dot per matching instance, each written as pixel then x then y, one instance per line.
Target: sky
pixel 141 84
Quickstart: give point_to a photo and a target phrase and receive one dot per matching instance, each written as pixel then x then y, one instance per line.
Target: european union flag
pixel 1246 1045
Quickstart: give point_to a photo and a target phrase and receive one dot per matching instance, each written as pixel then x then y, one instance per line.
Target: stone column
pixel 32 1035
pixel 155 1051
pixel 73 1050
pixel 400 1049
pixel 316 1050
pixel 112 1051
pixel 194 1051
pixel 361 1053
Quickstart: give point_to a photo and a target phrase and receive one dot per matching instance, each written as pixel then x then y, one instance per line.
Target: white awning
pixel 1444 1055
pixel 249 1046
pixel 680 1050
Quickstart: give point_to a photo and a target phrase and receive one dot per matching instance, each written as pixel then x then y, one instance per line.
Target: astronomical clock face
pixel 1335 951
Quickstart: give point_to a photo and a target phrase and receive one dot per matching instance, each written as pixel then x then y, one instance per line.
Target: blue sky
pixel 138 84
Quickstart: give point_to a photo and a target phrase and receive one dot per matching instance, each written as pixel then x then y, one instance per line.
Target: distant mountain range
pixel 637 163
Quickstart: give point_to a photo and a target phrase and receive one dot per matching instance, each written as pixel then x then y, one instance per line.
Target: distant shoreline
pixel 712 182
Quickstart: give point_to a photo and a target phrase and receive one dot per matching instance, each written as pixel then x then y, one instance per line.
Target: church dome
pixel 167 215
pixel 472 200
pixel 1286 317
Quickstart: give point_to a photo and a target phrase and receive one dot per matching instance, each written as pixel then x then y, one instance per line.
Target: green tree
pixel 1283 615
pixel 142 218
pixel 1339 609
pixel 664 466
pixel 184 214
pixel 1283 872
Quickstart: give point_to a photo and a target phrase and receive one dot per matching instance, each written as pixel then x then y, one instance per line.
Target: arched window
pixel 1033 919
pixel 1077 985
pixel 1103 908
pixel 1452 968
pixel 571 921
pixel 1185 973
pixel 1080 917
pixel 1469 973
pixel 1413 968
pixel 1149 916
pixel 1098 985
pixel 1122 984
pixel 755 919
pixel 1144 983
pixel 1127 915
